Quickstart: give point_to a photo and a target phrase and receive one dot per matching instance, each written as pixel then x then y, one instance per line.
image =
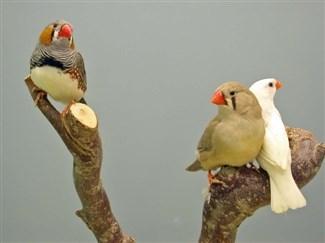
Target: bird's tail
pixel 285 193
pixel 278 205
pixel 195 166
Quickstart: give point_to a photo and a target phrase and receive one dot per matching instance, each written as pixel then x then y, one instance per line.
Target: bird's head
pixel 59 30
pixel 236 97
pixel 265 89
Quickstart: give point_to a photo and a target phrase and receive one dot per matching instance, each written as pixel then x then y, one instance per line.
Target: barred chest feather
pixel 61 86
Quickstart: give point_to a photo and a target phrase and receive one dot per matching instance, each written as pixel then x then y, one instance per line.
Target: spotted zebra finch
pixel 56 67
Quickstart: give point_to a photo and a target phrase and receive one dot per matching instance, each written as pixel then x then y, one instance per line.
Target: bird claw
pixel 40 94
pixel 210 177
pixel 253 164
pixel 213 180
pixel 66 109
pixel 217 181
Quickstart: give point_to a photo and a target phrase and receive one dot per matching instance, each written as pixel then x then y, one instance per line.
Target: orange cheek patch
pixel 46 36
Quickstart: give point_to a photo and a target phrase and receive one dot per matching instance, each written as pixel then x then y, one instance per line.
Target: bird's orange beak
pixel 278 84
pixel 65 31
pixel 218 98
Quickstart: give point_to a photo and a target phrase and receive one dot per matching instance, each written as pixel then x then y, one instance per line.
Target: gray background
pixel 152 68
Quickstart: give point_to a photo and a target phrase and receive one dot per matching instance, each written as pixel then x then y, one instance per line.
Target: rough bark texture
pixel 243 190
pixel 85 145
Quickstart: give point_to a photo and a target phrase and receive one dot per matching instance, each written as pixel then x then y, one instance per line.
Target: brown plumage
pixel 236 134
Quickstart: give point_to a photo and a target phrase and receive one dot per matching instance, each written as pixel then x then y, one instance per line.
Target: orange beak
pixel 278 84
pixel 218 98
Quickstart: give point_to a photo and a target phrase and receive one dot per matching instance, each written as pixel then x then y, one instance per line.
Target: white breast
pixel 57 84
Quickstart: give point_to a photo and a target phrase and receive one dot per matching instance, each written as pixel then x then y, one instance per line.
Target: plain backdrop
pixel 151 68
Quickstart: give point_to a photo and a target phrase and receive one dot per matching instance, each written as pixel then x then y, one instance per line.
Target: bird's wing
pixel 79 63
pixel 205 144
pixel 275 149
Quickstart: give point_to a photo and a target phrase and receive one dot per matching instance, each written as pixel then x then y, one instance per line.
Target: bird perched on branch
pixel 275 156
pixel 56 67
pixel 235 136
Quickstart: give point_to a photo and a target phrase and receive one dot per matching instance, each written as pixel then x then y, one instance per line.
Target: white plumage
pixel 275 155
pixel 58 84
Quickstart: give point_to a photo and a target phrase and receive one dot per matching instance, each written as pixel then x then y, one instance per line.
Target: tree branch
pixel 243 190
pixel 77 127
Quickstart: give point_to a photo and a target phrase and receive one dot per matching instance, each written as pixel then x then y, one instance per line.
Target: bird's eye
pixel 55 25
pixel 270 84
pixel 232 93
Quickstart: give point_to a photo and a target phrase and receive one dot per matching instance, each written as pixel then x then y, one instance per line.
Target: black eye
pixel 232 93
pixel 55 25
pixel 270 84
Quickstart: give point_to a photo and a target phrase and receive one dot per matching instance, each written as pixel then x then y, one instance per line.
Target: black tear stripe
pixel 233 101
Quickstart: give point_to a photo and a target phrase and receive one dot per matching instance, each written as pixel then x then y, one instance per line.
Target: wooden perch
pixel 78 128
pixel 241 192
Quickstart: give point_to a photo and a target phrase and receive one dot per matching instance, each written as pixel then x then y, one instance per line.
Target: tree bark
pixel 243 190
pixel 83 141
pixel 240 193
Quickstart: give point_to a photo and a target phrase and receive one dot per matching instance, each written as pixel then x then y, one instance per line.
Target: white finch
pixel 275 156
pixel 235 136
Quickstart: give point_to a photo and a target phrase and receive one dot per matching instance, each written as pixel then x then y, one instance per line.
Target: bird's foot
pixel 213 180
pixel 210 177
pixel 40 94
pixel 253 164
pixel 66 109
pixel 249 165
